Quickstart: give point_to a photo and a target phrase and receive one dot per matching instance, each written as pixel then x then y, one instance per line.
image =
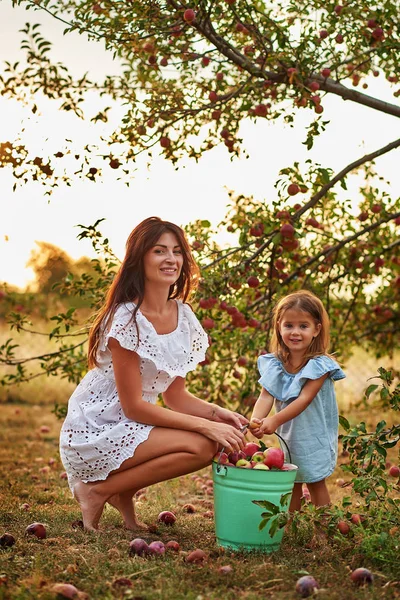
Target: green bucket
pixel 236 516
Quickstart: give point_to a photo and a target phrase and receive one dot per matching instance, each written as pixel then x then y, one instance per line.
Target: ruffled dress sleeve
pixel 285 386
pixel 176 353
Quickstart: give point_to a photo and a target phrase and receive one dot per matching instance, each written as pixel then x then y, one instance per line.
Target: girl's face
pixel 163 262
pixel 298 328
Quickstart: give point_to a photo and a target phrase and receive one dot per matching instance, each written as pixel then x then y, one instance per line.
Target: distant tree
pixel 50 265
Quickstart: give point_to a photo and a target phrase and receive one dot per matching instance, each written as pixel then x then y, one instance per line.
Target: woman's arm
pixel 129 386
pixel 179 399
pixel 306 396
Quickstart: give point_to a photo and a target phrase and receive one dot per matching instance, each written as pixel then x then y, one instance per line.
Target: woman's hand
pixel 223 415
pixel 226 435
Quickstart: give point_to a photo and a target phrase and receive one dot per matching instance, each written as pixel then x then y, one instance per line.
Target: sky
pixel 194 191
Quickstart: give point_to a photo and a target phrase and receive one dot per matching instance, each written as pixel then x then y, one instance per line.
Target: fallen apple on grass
pixel 65 590
pixel 167 517
pixel 36 529
pixel 138 547
pixel 362 576
pixel 7 540
pixel 306 586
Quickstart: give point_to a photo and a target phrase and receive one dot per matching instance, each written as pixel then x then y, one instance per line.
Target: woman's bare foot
pixel 90 503
pixel 125 504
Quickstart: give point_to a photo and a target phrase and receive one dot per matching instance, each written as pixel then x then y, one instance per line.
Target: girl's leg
pixel 166 454
pixel 295 502
pixel 319 493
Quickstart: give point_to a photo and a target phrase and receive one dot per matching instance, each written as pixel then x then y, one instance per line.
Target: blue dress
pixel 312 436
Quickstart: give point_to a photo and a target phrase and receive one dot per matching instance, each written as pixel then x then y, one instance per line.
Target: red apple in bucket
pixel 251 448
pixel 274 458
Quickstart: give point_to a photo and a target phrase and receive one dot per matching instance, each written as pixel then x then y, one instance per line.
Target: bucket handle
pixel 243 430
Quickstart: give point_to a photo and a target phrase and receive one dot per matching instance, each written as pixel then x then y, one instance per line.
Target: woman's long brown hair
pixel 307 302
pixel 128 284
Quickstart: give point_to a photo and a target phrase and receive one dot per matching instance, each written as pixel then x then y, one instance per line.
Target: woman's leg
pixel 295 502
pixel 125 505
pixel 166 454
pixel 319 493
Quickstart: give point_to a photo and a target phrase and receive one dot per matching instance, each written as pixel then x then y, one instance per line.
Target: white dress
pixel 96 437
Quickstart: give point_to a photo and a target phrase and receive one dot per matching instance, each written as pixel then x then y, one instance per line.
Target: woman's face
pixel 163 262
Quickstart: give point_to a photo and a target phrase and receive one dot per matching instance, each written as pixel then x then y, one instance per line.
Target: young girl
pixel 116 438
pixel 299 375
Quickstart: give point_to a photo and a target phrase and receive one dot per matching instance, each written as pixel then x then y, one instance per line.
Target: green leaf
pixel 344 422
pixel 371 388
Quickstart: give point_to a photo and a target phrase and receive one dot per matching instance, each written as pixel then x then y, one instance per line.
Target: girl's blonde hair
pixel 311 304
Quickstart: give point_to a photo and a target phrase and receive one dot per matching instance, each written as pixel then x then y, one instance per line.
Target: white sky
pixel 195 190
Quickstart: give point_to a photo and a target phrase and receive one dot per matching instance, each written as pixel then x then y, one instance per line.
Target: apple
pixel 325 72
pixel 212 96
pixel 356 519
pixel 235 456
pixel 260 466
pixel 362 576
pixel 242 463
pixel 205 61
pixel 167 517
pixel 189 15
pixel 340 482
pixel 253 281
pixel 254 423
pixel 165 142
pixel 287 230
pixel 293 189
pixel 339 38
pixel 258 456
pixel 208 323
pixel 157 547
pixel 138 547
pixel 274 458
pixel 251 448
pixel 306 586
pixel 225 569
pixel 222 458
pixel 189 508
pixel 323 34
pixel 314 86
pixel 7 540
pixel 196 556
pixel 343 527
pixel 65 590
pixel 36 529
pixel 394 471
pixel 172 545
pixel 121 582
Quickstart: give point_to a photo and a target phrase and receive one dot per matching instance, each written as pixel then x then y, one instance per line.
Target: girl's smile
pixel 298 329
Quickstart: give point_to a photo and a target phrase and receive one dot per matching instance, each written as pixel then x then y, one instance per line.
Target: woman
pixel 116 439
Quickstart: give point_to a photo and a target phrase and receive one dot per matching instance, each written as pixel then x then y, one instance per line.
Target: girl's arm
pixel 181 400
pixel 261 409
pixel 263 406
pixel 306 396
pixel 128 380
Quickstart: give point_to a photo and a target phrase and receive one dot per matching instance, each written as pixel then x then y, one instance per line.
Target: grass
pixel 30 474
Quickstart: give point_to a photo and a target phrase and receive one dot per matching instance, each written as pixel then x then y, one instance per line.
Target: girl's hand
pixel 226 435
pixel 268 426
pixel 223 415
pixel 255 428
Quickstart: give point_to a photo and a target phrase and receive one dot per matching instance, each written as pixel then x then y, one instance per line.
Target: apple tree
pixel 191 73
